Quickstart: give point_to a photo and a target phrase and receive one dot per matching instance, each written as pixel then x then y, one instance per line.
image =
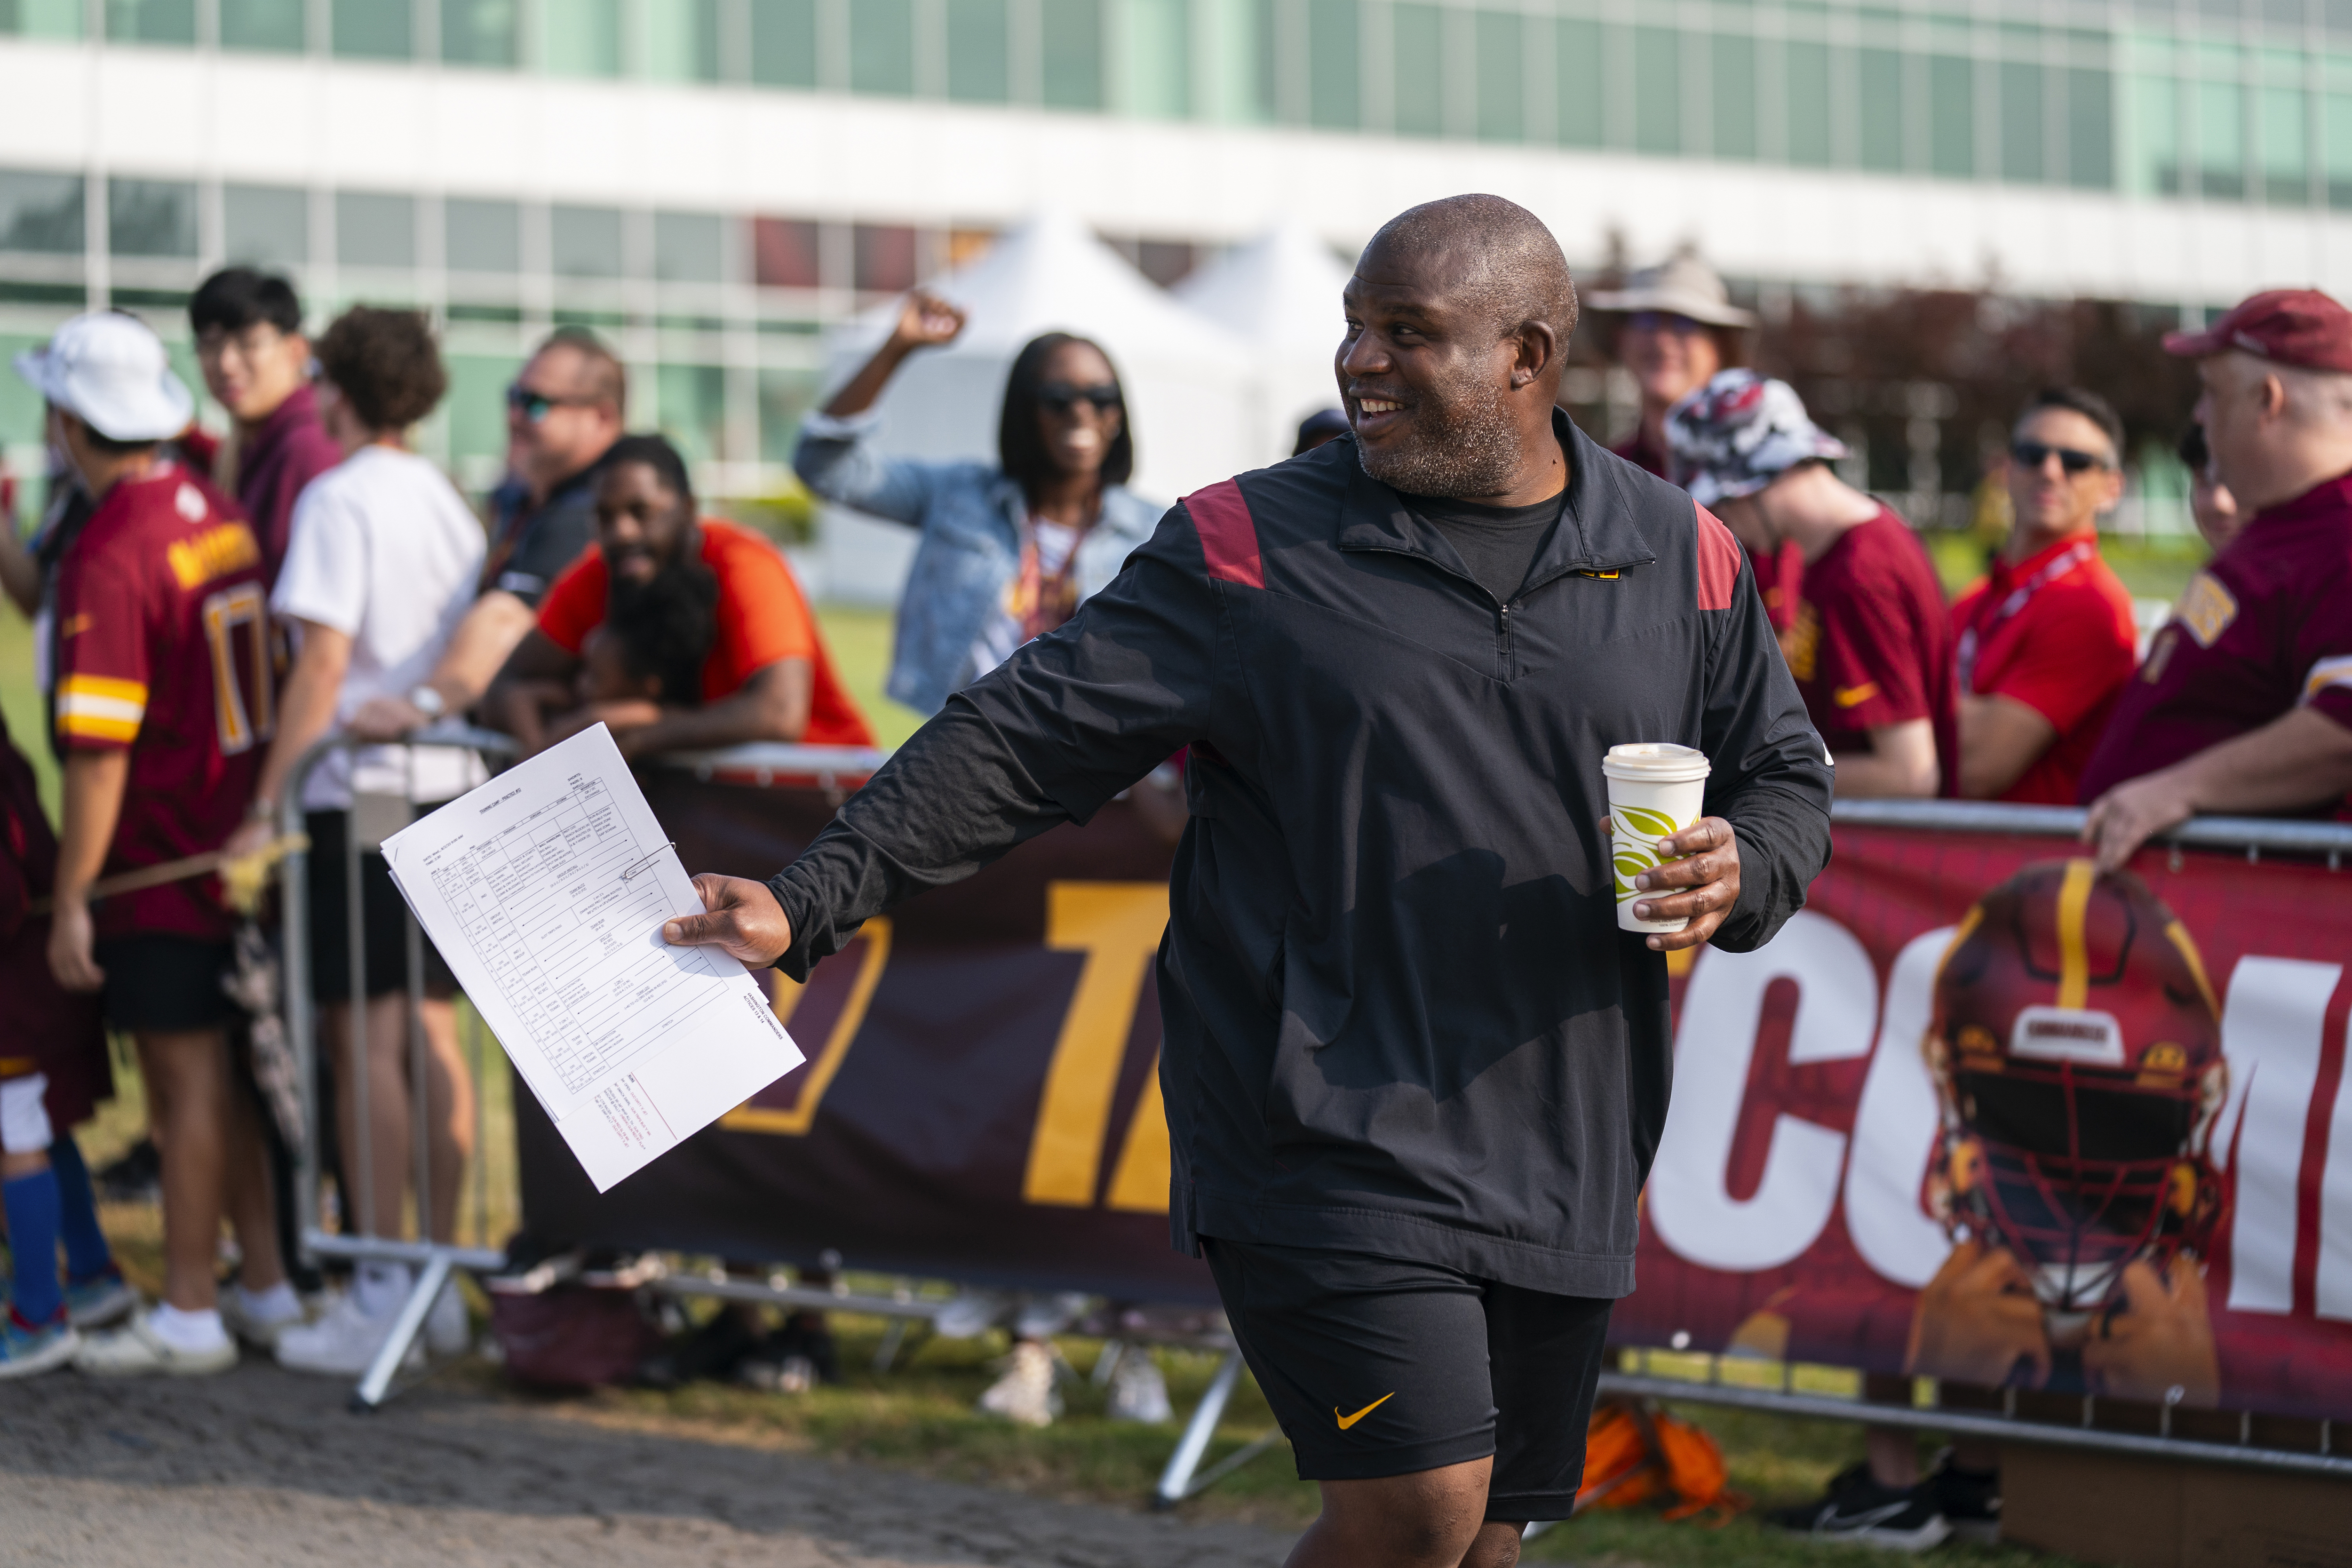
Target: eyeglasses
pixel 1663 321
pixel 533 405
pixel 1061 396
pixel 2033 454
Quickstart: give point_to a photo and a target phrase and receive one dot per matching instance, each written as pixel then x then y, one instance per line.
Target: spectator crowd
pixel 207 613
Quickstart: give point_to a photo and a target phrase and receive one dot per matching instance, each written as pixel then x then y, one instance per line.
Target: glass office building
pixel 711 182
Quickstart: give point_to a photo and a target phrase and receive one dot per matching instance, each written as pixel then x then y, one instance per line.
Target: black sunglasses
pixel 533 405
pixel 1061 396
pixel 1663 321
pixel 2033 454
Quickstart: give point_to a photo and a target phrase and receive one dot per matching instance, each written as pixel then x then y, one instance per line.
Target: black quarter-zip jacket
pixel 1398 1015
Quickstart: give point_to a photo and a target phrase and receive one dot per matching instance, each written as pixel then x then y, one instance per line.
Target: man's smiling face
pixel 1425 375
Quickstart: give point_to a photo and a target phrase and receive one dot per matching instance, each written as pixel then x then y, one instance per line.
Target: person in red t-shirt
pixel 2046 639
pixel 2244 703
pixel 164 697
pixel 1869 643
pixel 767 677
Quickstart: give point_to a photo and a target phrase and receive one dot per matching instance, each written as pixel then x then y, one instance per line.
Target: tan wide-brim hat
pixel 1683 286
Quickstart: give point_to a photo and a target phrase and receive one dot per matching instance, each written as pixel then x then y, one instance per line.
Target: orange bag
pixel 1634 1451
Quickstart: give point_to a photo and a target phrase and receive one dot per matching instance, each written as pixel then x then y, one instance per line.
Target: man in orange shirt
pixel 2046 640
pixel 767 677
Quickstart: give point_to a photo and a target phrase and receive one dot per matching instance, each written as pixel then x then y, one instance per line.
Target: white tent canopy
pixel 1280 293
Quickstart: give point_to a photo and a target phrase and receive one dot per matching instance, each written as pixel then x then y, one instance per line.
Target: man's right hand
pixel 387 718
pixel 926 320
pixel 744 921
pixel 1977 1319
pixel 71 939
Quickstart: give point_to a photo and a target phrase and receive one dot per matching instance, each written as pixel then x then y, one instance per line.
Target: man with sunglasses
pixel 2046 639
pixel 2244 702
pixel 564 412
pixel 1678 327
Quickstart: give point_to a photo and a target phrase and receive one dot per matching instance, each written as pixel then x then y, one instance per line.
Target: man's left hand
pixel 2161 1340
pixel 387 718
pixel 2129 815
pixel 1704 885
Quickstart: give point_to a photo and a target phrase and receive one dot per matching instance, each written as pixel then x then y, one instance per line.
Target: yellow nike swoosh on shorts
pixel 1348 1421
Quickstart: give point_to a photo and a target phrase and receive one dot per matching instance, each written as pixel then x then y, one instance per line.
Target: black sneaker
pixel 1856 1508
pixel 1970 1502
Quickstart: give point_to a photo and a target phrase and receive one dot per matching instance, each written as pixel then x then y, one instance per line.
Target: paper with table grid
pixel 546 889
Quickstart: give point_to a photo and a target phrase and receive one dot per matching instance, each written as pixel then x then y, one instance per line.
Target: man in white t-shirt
pixel 379 568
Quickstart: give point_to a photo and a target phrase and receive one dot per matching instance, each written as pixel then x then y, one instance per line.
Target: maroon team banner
pixel 1976 1112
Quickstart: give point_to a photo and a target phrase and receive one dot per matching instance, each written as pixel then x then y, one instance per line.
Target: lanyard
pixel 2083 549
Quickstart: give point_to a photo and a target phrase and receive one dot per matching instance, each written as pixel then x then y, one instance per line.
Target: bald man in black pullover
pixel 1414 1073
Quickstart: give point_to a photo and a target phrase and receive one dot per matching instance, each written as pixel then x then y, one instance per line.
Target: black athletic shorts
pixel 383 912
pixel 157 981
pixel 1380 1367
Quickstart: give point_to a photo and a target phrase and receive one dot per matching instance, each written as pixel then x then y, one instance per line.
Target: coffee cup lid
pixel 1654 762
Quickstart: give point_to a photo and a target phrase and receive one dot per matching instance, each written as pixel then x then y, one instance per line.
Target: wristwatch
pixel 427 701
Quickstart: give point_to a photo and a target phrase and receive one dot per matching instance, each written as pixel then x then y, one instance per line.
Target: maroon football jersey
pixel 2266 624
pixel 163 649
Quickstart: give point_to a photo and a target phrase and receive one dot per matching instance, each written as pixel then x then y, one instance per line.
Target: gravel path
pixel 264 1468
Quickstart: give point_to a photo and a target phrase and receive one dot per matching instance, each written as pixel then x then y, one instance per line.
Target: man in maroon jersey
pixel 2244 703
pixel 163 698
pixel 1869 642
pixel 257 361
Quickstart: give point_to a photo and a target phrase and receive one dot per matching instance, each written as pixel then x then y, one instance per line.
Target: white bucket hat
pixel 1685 286
pixel 110 371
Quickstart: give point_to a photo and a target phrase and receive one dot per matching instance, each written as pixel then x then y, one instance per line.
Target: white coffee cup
pixel 1656 790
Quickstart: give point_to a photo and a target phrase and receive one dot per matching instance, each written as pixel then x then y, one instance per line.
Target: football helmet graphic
pixel 2076 1051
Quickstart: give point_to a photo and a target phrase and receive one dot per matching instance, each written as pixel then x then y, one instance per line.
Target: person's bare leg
pixel 385 1147
pixel 252 1205
pixel 450 1127
pixel 1894 1456
pixel 1430 1518
pixel 187 1074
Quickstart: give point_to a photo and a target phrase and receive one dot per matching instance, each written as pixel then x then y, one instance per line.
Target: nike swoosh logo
pixel 1348 1421
pixel 1847 696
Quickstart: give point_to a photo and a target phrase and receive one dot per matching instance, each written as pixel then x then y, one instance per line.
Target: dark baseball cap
pixel 2285 326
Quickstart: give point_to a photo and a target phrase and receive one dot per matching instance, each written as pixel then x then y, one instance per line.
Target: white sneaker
pixel 243 1322
pixel 1026 1395
pixel 136 1350
pixel 1138 1392
pixel 447 1331
pixel 341 1344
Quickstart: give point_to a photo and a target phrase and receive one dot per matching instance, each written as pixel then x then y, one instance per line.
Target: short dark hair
pixel 385 364
pixel 664 627
pixel 655 453
pixel 2082 401
pixel 1021 447
pixel 608 378
pixel 106 444
pixel 236 297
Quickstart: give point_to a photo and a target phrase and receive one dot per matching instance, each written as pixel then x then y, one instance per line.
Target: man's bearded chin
pixel 1462 442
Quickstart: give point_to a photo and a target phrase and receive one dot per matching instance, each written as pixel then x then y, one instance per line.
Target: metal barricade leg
pixel 405 1327
pixel 1176 1481
pixel 358 1164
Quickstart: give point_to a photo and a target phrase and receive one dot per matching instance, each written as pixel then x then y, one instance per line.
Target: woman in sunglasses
pixel 1009 549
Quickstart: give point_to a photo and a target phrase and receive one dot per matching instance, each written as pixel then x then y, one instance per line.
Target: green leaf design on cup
pixel 1655 823
pixel 1631 860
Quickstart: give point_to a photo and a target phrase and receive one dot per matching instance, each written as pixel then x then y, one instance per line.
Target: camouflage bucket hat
pixel 1740 432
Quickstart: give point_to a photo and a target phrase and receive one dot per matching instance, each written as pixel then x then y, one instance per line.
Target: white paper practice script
pixel 546 889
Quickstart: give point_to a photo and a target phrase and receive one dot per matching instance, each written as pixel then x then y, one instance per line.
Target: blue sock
pixel 87 1254
pixel 32 1204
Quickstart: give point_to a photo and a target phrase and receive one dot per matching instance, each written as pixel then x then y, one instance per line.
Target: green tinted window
pixel 1502 75
pixel 41 18
pixel 2152 151
pixel 1074 54
pixel 267 225
pixel 2285 130
pixel 374 229
pixel 151 217
pixel 1881 110
pixel 477 404
pixel 1420 70
pixel 2091 129
pixel 482 235
pixel 152 21
pixel 1952 116
pixel 784 396
pixel 478 32
pixel 41 212
pixel 1809 104
pixel 2220 109
pixel 585 242
pixel 1732 92
pixel 374 29
pixel 691 409
pixel 979 51
pixel 581 37
pixel 882 47
pixel 784 42
pixel 275 24
pixel 2022 135
pixel 689 247
pixel 2336 147
pixel 1578 104
pixel 681 39
pixel 1334 63
pixel 1657 90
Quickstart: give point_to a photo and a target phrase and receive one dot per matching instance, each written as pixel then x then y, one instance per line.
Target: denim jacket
pixel 970 516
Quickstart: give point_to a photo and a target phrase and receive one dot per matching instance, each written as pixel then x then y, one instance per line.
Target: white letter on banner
pixel 1837 1001
pixel 2333 1290
pixel 2270 1033
pixel 1894 1128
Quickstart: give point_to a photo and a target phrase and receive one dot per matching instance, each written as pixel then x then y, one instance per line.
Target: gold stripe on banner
pixel 1117 925
pixel 2074 909
pixel 747 1118
pixel 1138 1183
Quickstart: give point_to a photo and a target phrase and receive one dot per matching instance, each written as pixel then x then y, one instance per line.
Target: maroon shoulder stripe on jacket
pixel 1718 562
pixel 1229 534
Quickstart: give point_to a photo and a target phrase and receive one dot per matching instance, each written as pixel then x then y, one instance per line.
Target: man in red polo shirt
pixel 2244 703
pixel 768 676
pixel 1869 642
pixel 2046 640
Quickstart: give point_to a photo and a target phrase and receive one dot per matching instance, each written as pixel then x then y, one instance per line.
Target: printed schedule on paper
pixel 546 889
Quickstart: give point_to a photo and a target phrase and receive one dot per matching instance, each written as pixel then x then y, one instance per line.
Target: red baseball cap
pixel 2286 326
